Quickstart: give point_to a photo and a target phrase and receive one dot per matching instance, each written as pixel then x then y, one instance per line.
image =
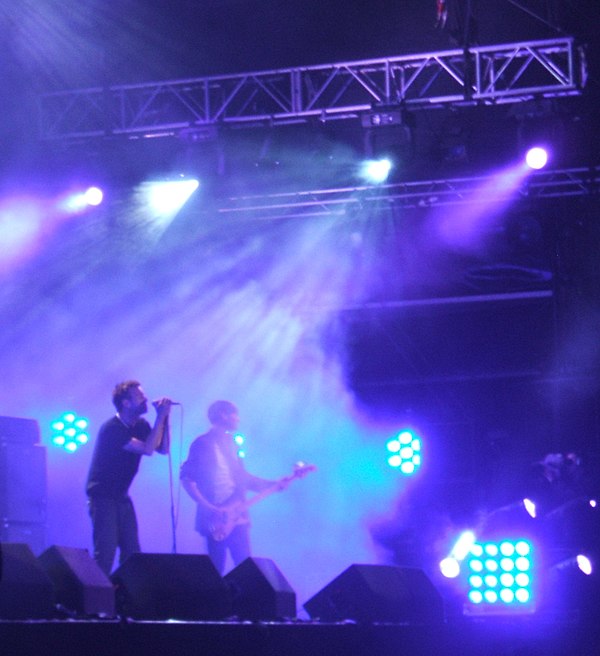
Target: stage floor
pixel 489 636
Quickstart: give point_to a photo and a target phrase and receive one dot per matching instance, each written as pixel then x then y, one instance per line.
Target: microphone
pixel 156 403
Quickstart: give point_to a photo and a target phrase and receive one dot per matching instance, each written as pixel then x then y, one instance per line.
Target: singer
pixel 121 442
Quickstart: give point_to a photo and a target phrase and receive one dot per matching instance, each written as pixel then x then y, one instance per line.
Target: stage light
pixel 376 171
pixel 530 508
pixel 405 450
pixel 69 432
pixel 450 567
pixel 584 564
pixel 462 547
pixel 500 577
pixel 93 196
pixel 536 157
pixel 239 439
pixel 77 202
pixel 168 197
pixel 382 118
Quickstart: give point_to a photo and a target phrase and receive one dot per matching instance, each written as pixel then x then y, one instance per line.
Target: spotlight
pixel 376 119
pixel 536 158
pixel 530 507
pixel 580 563
pixel 584 564
pixel 463 545
pixel 239 439
pixel 79 201
pixel 405 450
pixel 93 196
pixel 450 567
pixel 376 171
pixel 168 197
pixel 69 432
pixel 500 577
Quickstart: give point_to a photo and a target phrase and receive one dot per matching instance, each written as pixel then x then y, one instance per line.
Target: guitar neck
pixel 267 492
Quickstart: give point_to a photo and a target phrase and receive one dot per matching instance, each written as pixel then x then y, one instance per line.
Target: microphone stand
pixel 173 521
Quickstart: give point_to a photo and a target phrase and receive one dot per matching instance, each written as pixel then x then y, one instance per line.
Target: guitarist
pixel 215 478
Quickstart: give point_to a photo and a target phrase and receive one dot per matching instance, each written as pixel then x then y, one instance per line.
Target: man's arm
pixel 165 443
pixel 156 438
pixel 192 489
pixel 258 484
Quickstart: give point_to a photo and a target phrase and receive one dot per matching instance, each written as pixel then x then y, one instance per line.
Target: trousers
pixel 114 526
pixel 237 543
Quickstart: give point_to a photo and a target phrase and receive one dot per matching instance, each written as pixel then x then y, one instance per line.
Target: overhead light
pixel 376 171
pixel 377 119
pixel 536 157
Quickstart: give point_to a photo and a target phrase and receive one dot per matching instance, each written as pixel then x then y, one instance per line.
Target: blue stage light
pixel 405 452
pixel 493 584
pixel 69 432
pixel 240 440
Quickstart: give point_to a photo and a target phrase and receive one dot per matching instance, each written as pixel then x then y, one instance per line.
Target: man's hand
pixel 162 406
pixel 282 484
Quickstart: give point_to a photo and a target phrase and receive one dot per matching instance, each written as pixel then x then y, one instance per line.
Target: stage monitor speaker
pixel 259 591
pixel 170 586
pixel 378 593
pixel 26 591
pixel 80 586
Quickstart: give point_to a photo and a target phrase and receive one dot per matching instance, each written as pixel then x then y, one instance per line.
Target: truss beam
pixel 507 73
pixel 430 193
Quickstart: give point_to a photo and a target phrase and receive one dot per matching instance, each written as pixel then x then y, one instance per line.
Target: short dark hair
pixel 121 392
pixel 216 409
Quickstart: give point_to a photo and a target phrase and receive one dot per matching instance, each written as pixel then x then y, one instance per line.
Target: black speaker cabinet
pixel 19 430
pixel 26 591
pixel 259 591
pixel 170 586
pixel 22 483
pixel 79 583
pixel 378 593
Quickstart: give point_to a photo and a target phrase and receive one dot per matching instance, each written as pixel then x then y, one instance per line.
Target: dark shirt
pixel 113 468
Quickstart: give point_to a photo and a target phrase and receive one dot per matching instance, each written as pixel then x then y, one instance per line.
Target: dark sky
pixel 59 43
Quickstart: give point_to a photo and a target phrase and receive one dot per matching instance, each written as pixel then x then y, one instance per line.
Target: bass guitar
pixel 223 521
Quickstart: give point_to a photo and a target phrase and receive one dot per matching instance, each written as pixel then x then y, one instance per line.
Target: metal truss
pixel 430 193
pixel 507 73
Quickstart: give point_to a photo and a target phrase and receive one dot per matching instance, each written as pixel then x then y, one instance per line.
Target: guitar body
pixel 221 523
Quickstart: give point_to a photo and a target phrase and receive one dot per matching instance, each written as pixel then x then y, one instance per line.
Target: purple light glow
pixel 465 227
pixel 21 229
